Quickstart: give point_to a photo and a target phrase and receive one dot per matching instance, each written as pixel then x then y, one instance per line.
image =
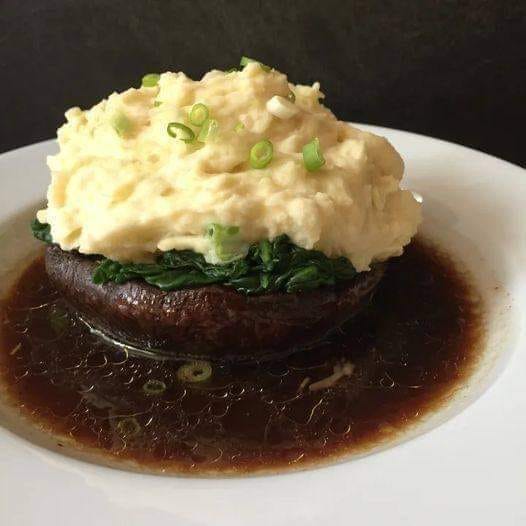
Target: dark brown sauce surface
pixel 413 345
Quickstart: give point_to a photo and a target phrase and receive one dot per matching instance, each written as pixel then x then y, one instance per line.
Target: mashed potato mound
pixel 124 188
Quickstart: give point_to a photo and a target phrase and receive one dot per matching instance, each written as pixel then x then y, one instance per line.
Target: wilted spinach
pixel 270 266
pixel 41 231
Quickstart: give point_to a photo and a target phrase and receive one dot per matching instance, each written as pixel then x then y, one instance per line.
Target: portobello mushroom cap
pixel 212 322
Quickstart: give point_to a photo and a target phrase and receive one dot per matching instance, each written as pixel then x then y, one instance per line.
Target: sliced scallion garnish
pixel 226 242
pixel 208 130
pixel 312 156
pixel 198 114
pixel 58 319
pixel 177 130
pixel 239 127
pixel 261 154
pixel 247 60
pixel 194 372
pixel 291 96
pixel 281 107
pixel 157 103
pixel 154 387
pixel 121 124
pixel 150 80
pixel 128 427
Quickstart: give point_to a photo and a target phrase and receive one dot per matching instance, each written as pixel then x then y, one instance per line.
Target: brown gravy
pixel 410 348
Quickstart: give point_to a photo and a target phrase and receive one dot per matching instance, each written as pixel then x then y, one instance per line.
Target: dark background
pixel 451 69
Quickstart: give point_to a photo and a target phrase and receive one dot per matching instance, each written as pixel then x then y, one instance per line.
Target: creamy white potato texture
pixel 124 188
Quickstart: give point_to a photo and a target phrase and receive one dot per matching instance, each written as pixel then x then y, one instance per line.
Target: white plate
pixel 468 464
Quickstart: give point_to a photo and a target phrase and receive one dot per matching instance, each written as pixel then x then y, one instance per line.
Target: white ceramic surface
pixel 468 464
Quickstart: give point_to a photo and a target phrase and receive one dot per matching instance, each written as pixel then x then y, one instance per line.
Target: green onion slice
pixel 231 70
pixel 151 80
pixel 157 103
pixel 239 127
pixel 312 156
pixel 128 427
pixel 58 319
pixel 198 114
pixel 154 387
pixel 247 60
pixel 226 242
pixel 261 154
pixel 291 96
pixel 121 124
pixel 208 130
pixel 177 130
pixel 194 372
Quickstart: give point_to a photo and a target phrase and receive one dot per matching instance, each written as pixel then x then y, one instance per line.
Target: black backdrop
pixel 451 69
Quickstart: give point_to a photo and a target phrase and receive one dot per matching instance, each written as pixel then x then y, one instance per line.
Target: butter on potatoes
pixel 124 188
